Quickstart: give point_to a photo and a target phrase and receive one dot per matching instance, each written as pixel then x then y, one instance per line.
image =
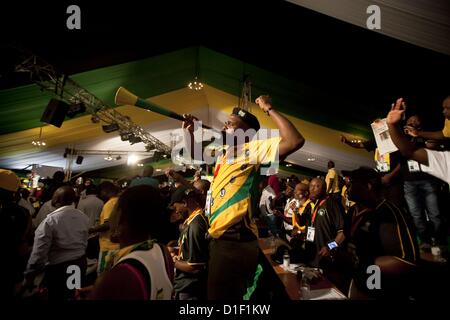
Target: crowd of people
pixel 197 240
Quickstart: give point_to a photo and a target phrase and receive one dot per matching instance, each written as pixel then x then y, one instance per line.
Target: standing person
pixel 60 241
pixel 434 135
pixel 266 207
pixel 232 229
pixel 141 269
pixel 16 228
pixel 55 183
pixel 325 222
pixel 109 193
pixel 437 163
pixel 23 201
pixel 192 258
pixel 332 180
pixel 380 235
pixel 91 205
pixel 421 194
pixel 145 179
pixel 296 205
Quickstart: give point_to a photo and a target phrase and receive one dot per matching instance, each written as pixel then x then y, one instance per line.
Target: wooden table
pixel 289 279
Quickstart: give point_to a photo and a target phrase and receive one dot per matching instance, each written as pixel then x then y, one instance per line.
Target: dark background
pixel 281 37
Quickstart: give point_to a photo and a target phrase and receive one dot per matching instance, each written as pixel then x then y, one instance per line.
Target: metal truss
pixel 48 79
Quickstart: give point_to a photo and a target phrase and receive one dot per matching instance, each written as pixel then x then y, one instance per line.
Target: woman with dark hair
pixel 141 269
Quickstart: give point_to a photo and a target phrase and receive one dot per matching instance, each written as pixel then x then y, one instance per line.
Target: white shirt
pixel 43 213
pixel 61 237
pixel 266 200
pixel 92 207
pixel 438 164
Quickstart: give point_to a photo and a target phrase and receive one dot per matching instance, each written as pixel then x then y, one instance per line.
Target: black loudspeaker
pixel 55 112
pixel 79 160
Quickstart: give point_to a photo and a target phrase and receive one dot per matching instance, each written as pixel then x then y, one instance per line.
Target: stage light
pixel 134 139
pixel 75 109
pixel 125 136
pixel 108 158
pixel 110 127
pixel 132 159
pixel 311 159
pixel 140 164
pixel 118 158
pixel 289 165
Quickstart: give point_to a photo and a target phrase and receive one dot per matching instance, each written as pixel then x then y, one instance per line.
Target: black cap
pixel 180 194
pixel 364 174
pixel 247 117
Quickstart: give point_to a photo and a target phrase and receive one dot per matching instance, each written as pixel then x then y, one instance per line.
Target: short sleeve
pixel 265 151
pixel 197 242
pixel 438 164
pixel 446 130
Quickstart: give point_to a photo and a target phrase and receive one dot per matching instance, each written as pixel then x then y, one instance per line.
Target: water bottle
pixel 304 288
pixel 286 260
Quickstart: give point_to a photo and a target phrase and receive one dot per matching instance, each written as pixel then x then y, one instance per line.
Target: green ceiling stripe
pixel 22 107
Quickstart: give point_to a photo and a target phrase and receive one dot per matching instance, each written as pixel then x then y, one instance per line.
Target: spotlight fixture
pixel 140 164
pixel 79 160
pixel 108 158
pixel 149 147
pixel 110 127
pixel 118 158
pixel 311 159
pixel 288 164
pixel 135 139
pixel 95 119
pixel 75 109
pixel 125 136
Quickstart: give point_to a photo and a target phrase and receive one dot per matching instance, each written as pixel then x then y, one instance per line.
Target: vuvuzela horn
pixel 125 97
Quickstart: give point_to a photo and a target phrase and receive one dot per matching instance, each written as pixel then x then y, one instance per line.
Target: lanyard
pixel 316 208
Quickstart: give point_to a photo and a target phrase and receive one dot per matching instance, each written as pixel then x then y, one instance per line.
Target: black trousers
pixel 231 267
pixel 56 277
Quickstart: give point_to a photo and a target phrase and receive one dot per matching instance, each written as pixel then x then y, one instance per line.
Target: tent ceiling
pixel 210 105
pixel 423 23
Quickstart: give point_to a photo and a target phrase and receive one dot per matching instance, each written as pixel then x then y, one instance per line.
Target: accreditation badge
pixel 310 234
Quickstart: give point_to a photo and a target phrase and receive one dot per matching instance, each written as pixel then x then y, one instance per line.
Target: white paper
pixel 382 137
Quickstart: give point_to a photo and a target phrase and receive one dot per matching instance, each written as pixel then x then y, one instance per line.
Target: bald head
pixel 317 189
pixel 63 196
pixel 148 171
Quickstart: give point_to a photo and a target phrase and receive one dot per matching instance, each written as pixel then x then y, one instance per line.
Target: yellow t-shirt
pixel 332 175
pixel 235 182
pixel 104 238
pixel 446 130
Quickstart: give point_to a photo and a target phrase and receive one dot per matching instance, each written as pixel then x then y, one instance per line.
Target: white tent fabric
pixel 424 23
